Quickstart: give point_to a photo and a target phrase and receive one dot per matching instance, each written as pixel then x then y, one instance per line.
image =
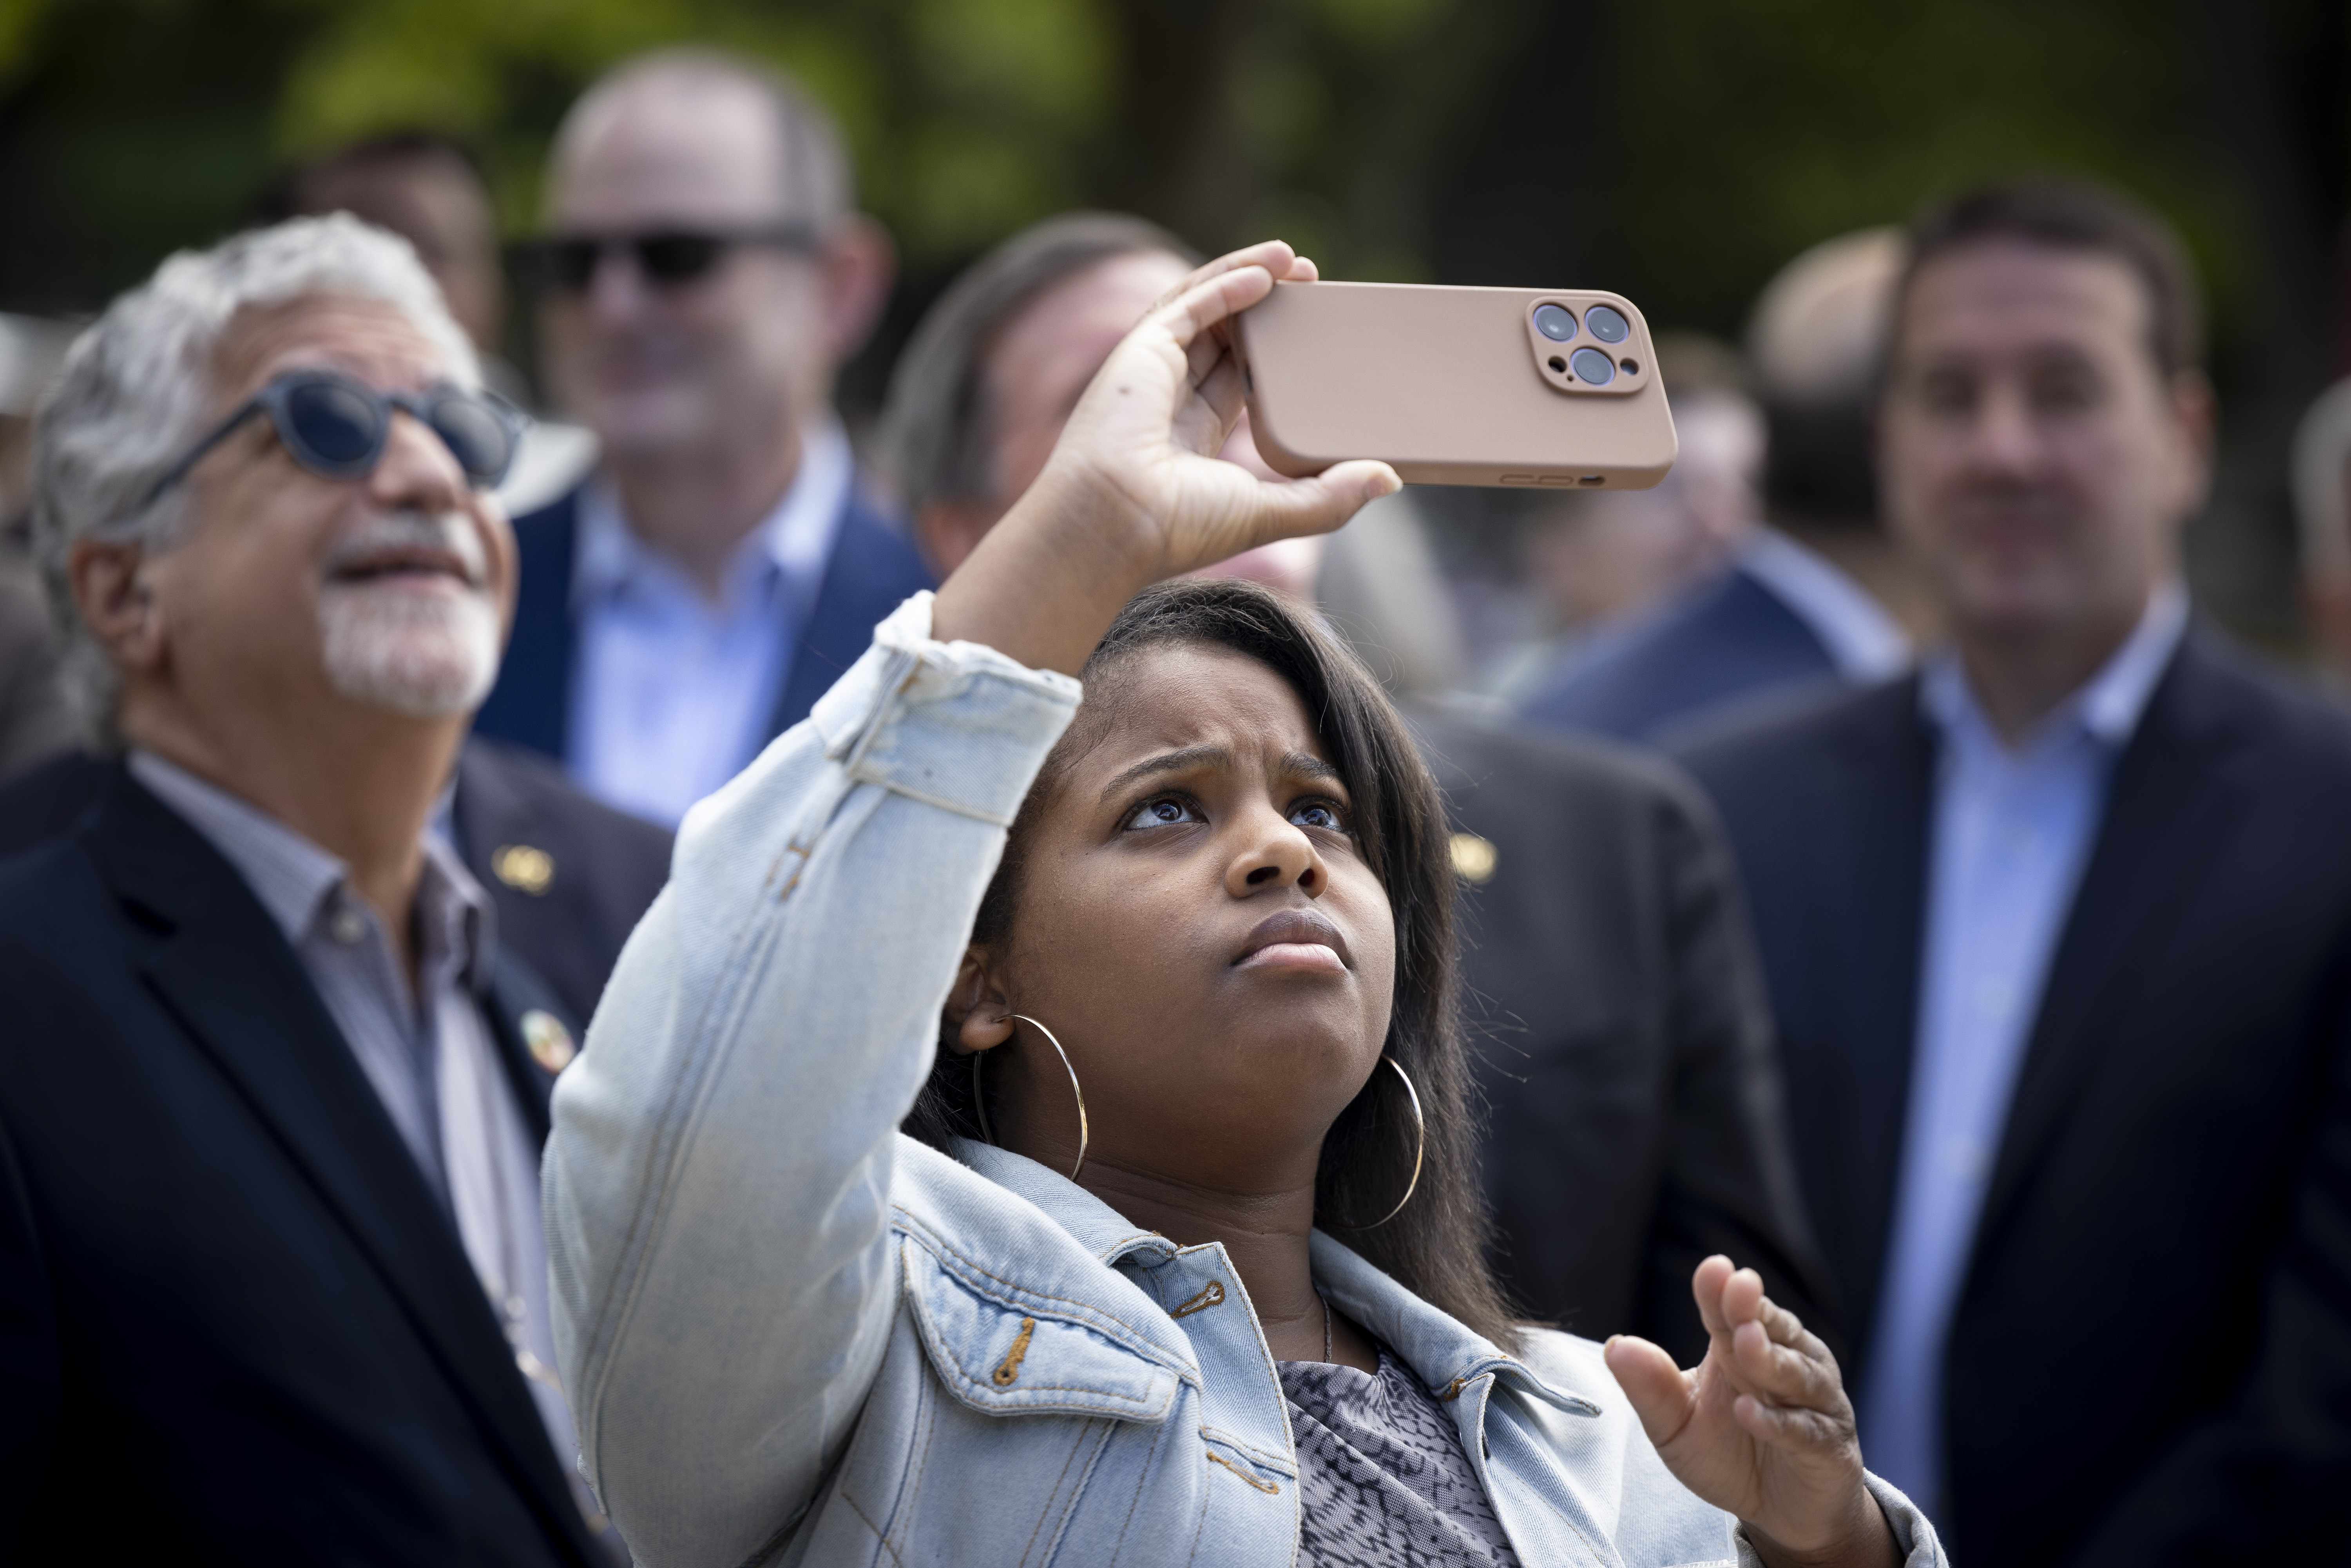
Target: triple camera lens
pixel 1557 324
pixel 1592 367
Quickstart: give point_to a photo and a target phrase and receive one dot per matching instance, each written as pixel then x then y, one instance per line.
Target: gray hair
pixel 937 435
pixel 819 185
pixel 138 387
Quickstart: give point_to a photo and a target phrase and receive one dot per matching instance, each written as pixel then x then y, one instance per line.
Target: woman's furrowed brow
pixel 1306 765
pixel 1185 761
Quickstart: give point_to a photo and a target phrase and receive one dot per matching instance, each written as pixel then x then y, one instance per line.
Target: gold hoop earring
pixel 1419 1150
pixel 979 1098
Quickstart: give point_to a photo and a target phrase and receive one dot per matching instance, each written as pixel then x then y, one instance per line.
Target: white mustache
pixel 389 533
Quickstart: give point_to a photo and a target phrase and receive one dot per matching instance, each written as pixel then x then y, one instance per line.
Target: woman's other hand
pixel 1135 492
pixel 1763 1427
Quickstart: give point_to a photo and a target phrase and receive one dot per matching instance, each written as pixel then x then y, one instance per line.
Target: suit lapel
pixel 527 1021
pixel 869 571
pixel 1873 894
pixel 223 969
pixel 531 704
pixel 2170 794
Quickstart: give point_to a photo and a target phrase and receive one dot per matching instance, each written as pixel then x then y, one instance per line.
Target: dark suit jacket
pixel 601 867
pixel 237 1325
pixel 1621 1035
pixel 2150 1357
pixel 1727 639
pixel 873 569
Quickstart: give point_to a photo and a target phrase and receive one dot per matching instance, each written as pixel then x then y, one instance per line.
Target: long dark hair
pixel 1437 1247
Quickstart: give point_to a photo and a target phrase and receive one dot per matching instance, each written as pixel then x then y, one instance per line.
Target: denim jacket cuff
pixel 1914 1533
pixel 986 718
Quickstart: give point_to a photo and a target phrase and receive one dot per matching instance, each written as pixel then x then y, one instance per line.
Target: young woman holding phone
pixel 1031 1127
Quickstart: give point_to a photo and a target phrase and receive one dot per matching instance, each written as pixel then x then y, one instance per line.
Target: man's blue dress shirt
pixel 674 692
pixel 2012 831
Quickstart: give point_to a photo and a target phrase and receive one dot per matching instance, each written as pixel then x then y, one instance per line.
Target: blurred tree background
pixel 1678 150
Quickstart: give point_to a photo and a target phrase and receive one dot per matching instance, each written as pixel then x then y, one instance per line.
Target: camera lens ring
pixel 1592 366
pixel 1607 324
pixel 1555 322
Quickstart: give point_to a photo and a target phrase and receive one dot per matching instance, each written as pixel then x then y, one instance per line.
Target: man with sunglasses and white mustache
pixel 272 1282
pixel 703 278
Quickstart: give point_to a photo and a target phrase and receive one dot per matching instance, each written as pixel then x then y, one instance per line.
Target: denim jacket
pixel 792 1334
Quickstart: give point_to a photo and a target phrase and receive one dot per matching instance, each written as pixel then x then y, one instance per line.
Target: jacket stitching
pixel 911 1487
pixel 1067 1460
pixel 1271 1489
pixel 1212 1295
pixel 1006 1374
pixel 1106 1434
pixel 1284 1463
pixel 963 1380
pixel 880 1539
pixel 930 1241
pixel 1150 1468
pixel 674 1122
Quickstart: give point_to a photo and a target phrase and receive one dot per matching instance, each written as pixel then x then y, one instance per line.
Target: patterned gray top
pixel 1383 1480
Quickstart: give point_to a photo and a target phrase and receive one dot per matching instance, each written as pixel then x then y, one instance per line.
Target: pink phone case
pixel 1457 386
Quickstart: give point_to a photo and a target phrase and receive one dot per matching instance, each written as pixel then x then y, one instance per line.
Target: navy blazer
pixel 871 570
pixel 1615 1009
pixel 1729 638
pixel 2149 1360
pixel 236 1324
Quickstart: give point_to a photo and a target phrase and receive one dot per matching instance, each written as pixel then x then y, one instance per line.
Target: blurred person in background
pixel 1603 558
pixel 1611 983
pixel 703 278
pixel 36 721
pixel 2321 505
pixel 2058 937
pixel 1806 599
pixel 273 1287
pixel 430 191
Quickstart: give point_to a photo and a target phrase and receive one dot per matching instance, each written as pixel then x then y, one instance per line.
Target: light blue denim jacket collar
pixel 1442 1353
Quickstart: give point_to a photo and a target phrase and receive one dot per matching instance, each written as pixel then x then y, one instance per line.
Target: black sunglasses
pixel 667 258
pixel 337 428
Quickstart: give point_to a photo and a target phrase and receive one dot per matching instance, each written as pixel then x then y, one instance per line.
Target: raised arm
pixel 717 1184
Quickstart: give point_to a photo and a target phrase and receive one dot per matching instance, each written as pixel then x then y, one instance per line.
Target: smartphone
pixel 1552 388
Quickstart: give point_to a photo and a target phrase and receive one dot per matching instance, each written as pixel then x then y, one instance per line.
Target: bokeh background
pixel 1677 150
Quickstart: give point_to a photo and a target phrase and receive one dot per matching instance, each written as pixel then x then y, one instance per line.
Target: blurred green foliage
pixel 1677 150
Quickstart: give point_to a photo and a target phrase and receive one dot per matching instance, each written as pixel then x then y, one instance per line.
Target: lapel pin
pixel 523 868
pixel 548 1041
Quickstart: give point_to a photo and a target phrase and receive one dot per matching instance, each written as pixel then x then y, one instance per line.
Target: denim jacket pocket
pixel 1007 1349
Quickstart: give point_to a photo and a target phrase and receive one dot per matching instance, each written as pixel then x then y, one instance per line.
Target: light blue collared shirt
pixel 2012 830
pixel 673 693
pixel 1866 643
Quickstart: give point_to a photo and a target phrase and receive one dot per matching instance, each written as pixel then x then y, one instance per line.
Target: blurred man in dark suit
pixel 1807 596
pixel 703 278
pixel 1625 1049
pixel 272 1281
pixel 2058 934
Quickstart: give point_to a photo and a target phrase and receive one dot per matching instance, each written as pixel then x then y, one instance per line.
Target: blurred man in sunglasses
pixel 703 278
pixel 272 1283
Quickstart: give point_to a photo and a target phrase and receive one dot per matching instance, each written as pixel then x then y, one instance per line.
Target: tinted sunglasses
pixel 339 428
pixel 667 258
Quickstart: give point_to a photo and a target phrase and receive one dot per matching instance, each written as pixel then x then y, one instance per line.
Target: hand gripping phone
pixel 1550 388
